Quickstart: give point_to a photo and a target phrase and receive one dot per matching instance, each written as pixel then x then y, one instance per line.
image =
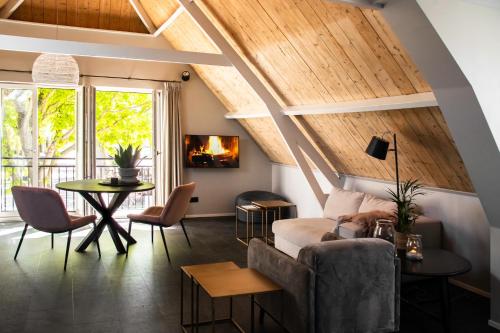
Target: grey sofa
pixel 335 286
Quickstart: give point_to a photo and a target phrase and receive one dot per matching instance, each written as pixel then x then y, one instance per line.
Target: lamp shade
pixel 55 69
pixel 378 148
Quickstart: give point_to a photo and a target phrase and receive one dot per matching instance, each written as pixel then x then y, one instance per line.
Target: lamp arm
pixel 397 166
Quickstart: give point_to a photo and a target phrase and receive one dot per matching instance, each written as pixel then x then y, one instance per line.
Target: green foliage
pixel 123 118
pixel 405 201
pixel 127 158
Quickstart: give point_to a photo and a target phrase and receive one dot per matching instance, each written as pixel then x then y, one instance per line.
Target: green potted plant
pixel 407 211
pixel 127 160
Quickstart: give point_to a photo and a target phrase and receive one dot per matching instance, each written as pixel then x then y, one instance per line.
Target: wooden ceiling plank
pixel 257 34
pixel 23 12
pixel 343 19
pixel 356 84
pixel 325 12
pixel 61 12
pixel 37 10
pixel 114 14
pixel 49 11
pixel 143 16
pixel 438 151
pixel 9 8
pixel 72 12
pixel 381 52
pixel 83 13
pixel 104 14
pixel 397 50
pixel 94 12
pixel 304 37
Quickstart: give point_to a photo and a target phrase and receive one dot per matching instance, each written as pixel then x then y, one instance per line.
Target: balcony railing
pixel 18 171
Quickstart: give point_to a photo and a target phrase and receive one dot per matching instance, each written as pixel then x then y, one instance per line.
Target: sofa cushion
pixel 371 203
pixel 303 231
pixel 342 202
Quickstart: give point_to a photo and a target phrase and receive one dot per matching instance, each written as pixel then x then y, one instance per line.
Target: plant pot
pixel 401 239
pixel 128 175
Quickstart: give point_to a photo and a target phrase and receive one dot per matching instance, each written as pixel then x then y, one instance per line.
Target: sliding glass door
pixel 38 141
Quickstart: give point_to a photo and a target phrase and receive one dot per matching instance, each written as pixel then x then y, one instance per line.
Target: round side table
pixel 441 265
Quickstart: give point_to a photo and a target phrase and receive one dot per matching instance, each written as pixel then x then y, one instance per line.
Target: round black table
pixel 86 188
pixel 438 264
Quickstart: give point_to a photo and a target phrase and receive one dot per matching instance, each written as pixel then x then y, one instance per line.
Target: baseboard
pixel 191 216
pixel 470 288
pixel 494 324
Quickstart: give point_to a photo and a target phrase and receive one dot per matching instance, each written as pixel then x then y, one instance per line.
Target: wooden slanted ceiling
pixel 313 52
pixel 99 14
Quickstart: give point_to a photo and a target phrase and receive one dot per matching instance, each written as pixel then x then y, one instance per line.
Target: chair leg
pixel 67 250
pixel 97 241
pixel 185 233
pixel 52 241
pixel 165 243
pixel 152 234
pixel 130 233
pixel 21 240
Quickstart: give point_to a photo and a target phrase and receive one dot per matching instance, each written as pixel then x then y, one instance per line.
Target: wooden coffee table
pixel 225 280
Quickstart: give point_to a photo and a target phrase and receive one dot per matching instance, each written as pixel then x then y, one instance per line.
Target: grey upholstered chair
pixel 44 210
pixel 173 212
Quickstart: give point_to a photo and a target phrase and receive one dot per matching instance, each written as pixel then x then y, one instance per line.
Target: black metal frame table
pixel 441 265
pixel 86 188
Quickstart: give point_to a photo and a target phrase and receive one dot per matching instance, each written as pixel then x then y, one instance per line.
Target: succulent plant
pixel 127 158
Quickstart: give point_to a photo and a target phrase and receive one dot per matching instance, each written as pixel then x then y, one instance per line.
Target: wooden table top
pixel 93 186
pixel 196 270
pixel 236 282
pixel 272 203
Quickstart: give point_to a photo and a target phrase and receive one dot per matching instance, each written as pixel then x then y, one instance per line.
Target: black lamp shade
pixel 378 148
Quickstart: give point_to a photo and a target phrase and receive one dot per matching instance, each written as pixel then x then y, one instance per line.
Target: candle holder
pixel 414 248
pixel 384 230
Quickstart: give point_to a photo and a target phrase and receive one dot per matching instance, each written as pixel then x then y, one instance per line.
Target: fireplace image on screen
pixel 212 151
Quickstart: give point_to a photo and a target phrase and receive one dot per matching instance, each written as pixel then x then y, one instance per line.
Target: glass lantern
pixel 414 247
pixel 384 230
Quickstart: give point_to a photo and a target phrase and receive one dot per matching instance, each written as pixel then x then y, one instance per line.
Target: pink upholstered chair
pixel 44 210
pixel 173 212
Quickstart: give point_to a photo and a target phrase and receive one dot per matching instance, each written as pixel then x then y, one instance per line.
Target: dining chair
pixel 165 216
pixel 44 210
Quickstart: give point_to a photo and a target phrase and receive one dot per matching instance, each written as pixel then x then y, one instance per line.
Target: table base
pixel 106 211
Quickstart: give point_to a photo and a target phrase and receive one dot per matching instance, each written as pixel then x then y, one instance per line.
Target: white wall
pixel 202 113
pixel 466 229
pixel 469 29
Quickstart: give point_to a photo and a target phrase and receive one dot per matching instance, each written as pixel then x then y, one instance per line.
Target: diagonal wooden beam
pixel 143 15
pixel 9 8
pixel 297 143
pixel 169 21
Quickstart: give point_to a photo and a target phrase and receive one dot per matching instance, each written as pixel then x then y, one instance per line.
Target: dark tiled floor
pixel 141 293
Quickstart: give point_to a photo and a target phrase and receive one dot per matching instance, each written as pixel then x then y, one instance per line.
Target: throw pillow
pixel 371 203
pixel 342 202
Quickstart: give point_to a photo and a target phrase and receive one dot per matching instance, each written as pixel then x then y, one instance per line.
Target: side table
pixel 437 264
pixel 274 206
pixel 250 211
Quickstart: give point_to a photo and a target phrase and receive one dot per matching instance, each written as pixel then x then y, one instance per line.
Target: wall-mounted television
pixel 211 151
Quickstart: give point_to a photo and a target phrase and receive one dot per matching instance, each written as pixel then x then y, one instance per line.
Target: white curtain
pixel 169 141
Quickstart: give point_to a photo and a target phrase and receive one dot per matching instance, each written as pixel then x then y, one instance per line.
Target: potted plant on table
pixel 127 160
pixel 407 211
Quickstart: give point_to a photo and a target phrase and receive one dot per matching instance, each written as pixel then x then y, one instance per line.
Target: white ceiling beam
pixel 168 22
pixel 295 140
pixel 421 100
pixel 143 15
pixel 85 49
pixel 374 4
pixel 9 8
pixel 78 34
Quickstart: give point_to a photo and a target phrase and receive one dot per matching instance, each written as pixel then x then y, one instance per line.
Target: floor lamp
pixel 378 148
